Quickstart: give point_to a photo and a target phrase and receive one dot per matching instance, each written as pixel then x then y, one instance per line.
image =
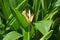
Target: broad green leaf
pixel 47 36
pixel 12 36
pixel 21 19
pixel 43 26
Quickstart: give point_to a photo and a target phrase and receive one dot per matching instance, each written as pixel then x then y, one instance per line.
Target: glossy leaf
pixel 12 36
pixel 43 26
pixel 21 19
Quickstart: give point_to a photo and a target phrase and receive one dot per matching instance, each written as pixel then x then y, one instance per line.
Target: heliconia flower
pixel 29 17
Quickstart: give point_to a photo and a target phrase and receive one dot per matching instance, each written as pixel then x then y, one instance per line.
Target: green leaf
pixel 25 35
pixel 51 14
pixel 57 3
pixel 1 14
pixel 6 8
pixel 13 22
pixel 20 18
pixel 13 3
pixel 20 5
pixel 16 25
pixel 56 22
pixel 32 32
pixel 12 36
pixel 44 7
pixel 44 4
pixel 36 8
pixel 43 26
pixel 47 36
pixel 23 5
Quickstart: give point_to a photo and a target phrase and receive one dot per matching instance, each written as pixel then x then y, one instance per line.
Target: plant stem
pixel 28 33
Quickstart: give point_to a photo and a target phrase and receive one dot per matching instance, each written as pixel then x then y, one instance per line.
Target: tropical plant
pixel 29 19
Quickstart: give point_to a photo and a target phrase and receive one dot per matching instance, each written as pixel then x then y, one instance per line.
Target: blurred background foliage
pixel 45 24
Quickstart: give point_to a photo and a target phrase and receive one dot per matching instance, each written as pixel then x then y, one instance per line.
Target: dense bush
pixel 29 20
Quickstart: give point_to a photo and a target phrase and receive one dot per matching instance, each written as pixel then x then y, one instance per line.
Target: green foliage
pixel 45 24
pixel 12 36
pixel 46 36
pixel 21 19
